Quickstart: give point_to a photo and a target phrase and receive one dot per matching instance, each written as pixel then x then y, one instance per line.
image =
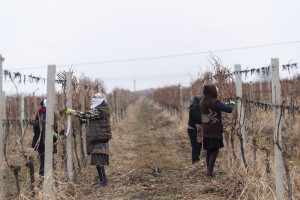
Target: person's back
pixel 194 121
pixel 211 119
pixel 38 140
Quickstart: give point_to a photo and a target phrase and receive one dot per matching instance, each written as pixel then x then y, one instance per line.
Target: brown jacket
pixel 212 123
pixel 100 129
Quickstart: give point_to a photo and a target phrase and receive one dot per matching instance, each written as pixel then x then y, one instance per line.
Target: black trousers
pixel 101 172
pixel 42 162
pixel 211 157
pixel 196 147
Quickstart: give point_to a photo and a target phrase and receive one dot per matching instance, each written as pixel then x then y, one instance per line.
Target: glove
pixel 68 111
pixel 230 102
pixel 81 121
pixel 62 112
pixel 34 123
pixel 55 134
pixel 62 132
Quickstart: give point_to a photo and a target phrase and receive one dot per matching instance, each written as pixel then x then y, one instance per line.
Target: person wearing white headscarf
pixel 98 134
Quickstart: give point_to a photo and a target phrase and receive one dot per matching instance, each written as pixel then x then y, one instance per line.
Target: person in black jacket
pixel 38 141
pixel 195 118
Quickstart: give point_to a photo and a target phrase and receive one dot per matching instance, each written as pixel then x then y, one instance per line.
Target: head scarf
pixel 97 99
pixel 44 103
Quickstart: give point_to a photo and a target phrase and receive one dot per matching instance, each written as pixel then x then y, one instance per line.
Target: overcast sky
pixel 112 34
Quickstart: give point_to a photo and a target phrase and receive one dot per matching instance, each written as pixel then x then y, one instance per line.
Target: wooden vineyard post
pixel 83 130
pixel 269 91
pixel 113 105
pixel 241 114
pixel 117 106
pixel 260 91
pixel 69 126
pixel 22 114
pixel 2 104
pixel 276 100
pixel 49 131
pixel 181 103
pixel 252 122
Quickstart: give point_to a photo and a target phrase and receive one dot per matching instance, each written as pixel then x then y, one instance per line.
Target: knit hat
pixel 197 99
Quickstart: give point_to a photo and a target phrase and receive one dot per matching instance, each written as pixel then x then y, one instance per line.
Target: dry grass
pixel 154 147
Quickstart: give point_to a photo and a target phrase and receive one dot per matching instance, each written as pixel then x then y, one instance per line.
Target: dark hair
pixel 42 102
pixel 210 97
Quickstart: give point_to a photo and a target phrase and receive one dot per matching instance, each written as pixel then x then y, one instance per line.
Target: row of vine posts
pixel 76 94
pixel 232 87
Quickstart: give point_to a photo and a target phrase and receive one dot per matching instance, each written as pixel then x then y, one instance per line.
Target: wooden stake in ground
pixel 69 136
pixel 1 133
pixel 49 131
pixel 83 132
pixel 276 100
pixel 22 113
pixel 181 103
pixel 241 113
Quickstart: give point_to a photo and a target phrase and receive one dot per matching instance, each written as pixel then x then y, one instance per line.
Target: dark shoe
pixel 213 175
pixel 101 183
pixel 97 182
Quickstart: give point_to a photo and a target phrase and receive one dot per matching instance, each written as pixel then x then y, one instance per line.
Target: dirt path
pixel 154 148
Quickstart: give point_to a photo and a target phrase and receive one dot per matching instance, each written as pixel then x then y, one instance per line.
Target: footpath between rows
pixel 150 159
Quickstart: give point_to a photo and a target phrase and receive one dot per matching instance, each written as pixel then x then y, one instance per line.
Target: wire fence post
pixel 69 136
pixel 276 100
pixel 113 108
pixel 260 91
pixel 241 112
pixel 117 106
pixel 49 131
pixel 270 91
pixel 2 104
pixel 84 130
pixel 181 102
pixel 22 114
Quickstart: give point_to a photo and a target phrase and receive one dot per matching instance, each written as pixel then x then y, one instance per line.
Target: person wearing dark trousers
pixel 98 134
pixel 38 141
pixel 194 120
pixel 101 173
pixel 211 122
pixel 42 162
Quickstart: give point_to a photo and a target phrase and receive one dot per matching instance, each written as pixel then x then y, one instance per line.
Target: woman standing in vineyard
pixel 38 141
pixel 193 126
pixel 212 126
pixel 97 135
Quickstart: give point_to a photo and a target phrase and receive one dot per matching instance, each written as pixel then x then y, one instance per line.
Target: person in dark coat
pixel 38 141
pixel 211 122
pixel 194 121
pixel 97 135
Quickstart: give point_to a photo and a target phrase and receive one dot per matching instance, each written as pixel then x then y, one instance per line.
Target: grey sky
pixel 36 33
